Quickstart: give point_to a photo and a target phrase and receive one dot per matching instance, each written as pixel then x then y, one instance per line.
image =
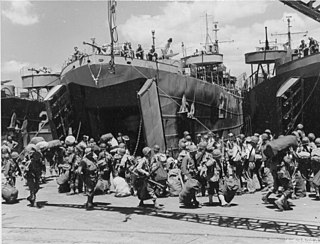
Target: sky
pixel 44 33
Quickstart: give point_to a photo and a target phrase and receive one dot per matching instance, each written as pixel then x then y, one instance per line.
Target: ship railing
pixel 24 71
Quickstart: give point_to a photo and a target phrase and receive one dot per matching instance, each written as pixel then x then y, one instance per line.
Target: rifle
pixel 151 181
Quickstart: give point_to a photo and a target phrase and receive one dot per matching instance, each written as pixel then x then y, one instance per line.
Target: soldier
pixel 89 172
pixel 145 189
pixel 73 160
pixel 212 172
pixel 189 170
pixel 11 143
pixel 33 173
pixel 315 164
pixel 202 157
pixel 285 174
pixel 183 140
pixel 11 169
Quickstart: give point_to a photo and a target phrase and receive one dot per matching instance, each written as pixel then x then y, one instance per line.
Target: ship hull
pixel 261 105
pixel 109 103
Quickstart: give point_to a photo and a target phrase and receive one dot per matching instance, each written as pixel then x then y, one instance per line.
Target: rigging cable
pixel 113 31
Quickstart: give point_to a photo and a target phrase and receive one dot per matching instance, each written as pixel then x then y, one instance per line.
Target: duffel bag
pixel 63 178
pixel 316 179
pixel 9 193
pixel 277 145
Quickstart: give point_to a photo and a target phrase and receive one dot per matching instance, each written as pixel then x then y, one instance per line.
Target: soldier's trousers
pixel 90 182
pixel 76 182
pixel 33 184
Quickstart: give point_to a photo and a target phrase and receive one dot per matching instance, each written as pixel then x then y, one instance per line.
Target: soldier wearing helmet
pixel 11 143
pixel 88 170
pixel 11 169
pixel 315 165
pixel 33 173
pixel 145 189
pixel 189 172
pixel 312 137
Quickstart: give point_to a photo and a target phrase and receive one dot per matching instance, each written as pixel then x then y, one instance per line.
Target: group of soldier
pixel 205 165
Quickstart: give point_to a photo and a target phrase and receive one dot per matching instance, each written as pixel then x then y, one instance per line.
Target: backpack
pixel 174 183
pixel 160 173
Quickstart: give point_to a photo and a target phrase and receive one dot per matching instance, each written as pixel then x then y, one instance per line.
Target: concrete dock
pixel 62 218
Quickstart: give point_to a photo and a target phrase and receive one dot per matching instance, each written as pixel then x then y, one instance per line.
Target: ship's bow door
pixel 151 114
pixel 59 111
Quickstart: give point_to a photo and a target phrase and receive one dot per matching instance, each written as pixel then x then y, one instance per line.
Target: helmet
pixel 311 136
pixel 242 136
pixel 317 141
pixel 146 150
pixel 255 139
pixel 121 151
pixel 300 126
pixel 103 145
pixel 202 145
pixel 305 140
pixel 88 150
pixel 300 133
pixel 122 145
pixel 14 155
pixel 186 133
pixel 268 131
pixel 70 140
pixel 156 148
pixel 188 138
pixel 256 134
pixel 162 158
pixel 183 145
pixel 216 153
pixel 295 133
pixel 264 136
pixel 192 148
pixel 125 138
pixel 206 137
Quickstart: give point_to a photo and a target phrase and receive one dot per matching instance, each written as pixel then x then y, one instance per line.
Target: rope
pixel 98 75
pixel 138 138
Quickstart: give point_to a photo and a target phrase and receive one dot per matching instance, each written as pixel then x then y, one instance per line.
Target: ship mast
pixel 289 32
pixel 113 31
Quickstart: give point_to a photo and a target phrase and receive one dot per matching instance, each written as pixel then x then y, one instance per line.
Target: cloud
pixel 240 21
pixel 20 12
pixel 13 66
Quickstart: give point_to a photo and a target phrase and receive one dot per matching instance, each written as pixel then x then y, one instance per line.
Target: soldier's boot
pixel 265 197
pixel 156 205
pixel 210 200
pixel 223 201
pixel 317 189
pixel 89 204
pixel 280 203
pixel 31 199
